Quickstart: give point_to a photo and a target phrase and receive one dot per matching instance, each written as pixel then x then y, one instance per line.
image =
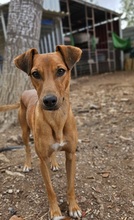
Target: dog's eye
pixel 60 72
pixel 36 75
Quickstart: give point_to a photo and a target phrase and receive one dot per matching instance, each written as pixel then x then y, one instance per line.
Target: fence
pixel 95 62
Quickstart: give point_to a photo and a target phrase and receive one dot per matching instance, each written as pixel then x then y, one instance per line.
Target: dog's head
pixel 50 73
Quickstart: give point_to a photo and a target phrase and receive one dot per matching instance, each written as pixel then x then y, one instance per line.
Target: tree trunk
pixel 23 32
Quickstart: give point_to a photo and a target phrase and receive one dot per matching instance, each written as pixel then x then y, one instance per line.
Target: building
pixel 79 23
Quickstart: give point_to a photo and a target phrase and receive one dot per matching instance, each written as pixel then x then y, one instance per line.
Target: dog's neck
pixel 55 119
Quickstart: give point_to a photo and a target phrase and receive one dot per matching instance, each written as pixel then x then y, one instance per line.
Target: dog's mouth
pixel 50 108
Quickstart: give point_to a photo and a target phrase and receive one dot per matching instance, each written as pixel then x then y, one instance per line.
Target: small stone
pixel 61 200
pixel 10 191
pixel 95 107
pixel 83 199
pixel 17 191
pixel 12 211
pixel 114 186
pixel 124 100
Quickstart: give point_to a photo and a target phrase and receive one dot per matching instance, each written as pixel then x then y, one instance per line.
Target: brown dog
pixel 46 111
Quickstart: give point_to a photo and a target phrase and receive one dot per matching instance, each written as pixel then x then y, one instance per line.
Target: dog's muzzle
pixel 50 102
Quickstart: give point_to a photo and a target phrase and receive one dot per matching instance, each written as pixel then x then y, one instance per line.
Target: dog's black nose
pixel 50 101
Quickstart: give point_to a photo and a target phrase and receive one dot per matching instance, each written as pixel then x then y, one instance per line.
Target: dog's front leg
pixel 74 210
pixel 54 208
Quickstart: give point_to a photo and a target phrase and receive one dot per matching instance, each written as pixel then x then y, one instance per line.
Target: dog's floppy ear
pixel 25 60
pixel 70 54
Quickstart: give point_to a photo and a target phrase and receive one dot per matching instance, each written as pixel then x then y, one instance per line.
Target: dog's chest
pixel 59 140
pixel 58 146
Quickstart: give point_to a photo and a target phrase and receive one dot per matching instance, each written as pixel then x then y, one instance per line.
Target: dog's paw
pixel 53 162
pixel 75 212
pixel 54 167
pixel 55 213
pixel 26 169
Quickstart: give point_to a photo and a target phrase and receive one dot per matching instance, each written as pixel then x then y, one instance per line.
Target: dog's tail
pixel 4 108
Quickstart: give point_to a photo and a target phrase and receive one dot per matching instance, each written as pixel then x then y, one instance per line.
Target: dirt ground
pixel 104 110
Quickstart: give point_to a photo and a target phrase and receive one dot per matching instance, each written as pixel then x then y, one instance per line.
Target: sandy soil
pixel 104 110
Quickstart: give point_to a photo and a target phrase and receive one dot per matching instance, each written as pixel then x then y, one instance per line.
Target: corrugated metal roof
pixel 52 5
pixel 95 6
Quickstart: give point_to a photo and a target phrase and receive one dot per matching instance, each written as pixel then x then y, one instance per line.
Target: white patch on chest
pixel 58 146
